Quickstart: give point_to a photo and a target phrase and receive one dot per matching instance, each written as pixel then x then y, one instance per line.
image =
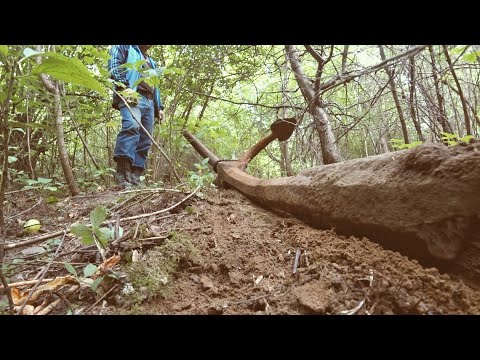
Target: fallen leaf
pixel 109 263
pixel 156 230
pixel 27 310
pixel 16 296
pixel 19 297
pixel 34 250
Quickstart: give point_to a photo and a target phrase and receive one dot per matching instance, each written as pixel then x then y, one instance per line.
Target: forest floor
pixel 218 253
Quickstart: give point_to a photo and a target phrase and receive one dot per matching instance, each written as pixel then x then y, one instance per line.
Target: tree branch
pixel 344 78
pixel 235 102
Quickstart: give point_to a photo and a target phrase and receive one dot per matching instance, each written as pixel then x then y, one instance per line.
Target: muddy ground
pixel 219 253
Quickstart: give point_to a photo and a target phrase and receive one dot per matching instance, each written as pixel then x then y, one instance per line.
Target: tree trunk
pixel 460 91
pixel 322 124
pixel 285 158
pixel 52 86
pixel 382 140
pixel 344 58
pixel 441 118
pixel 62 148
pixel 393 89
pixel 412 102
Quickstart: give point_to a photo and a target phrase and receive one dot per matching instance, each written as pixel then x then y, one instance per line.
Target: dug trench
pixel 246 266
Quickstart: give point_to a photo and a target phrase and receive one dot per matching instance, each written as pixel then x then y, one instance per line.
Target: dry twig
pixel 52 305
pixel 43 275
pixel 297 257
pixel 24 283
pixel 103 297
pixel 24 211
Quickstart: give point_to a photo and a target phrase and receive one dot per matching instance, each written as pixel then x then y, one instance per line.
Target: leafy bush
pixel 398 144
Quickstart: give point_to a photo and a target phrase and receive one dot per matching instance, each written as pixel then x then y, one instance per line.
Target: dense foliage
pixel 228 96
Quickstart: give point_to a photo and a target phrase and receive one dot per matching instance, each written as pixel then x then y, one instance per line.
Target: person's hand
pixel 160 115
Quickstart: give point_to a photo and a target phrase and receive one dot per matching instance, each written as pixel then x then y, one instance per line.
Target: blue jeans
pixel 132 142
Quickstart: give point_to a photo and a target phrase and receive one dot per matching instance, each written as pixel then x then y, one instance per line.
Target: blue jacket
pixel 121 54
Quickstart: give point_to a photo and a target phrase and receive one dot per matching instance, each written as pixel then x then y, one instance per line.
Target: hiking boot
pixel 135 175
pixel 122 175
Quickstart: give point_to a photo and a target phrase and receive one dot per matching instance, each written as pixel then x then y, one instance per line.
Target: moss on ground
pixel 152 275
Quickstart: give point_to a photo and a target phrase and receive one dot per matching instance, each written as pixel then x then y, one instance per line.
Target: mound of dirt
pixel 246 260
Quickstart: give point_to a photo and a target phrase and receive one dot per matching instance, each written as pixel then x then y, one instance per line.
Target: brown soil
pixel 244 259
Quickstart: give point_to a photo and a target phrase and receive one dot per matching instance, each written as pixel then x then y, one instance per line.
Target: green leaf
pixel 95 284
pixel 98 216
pixel 111 123
pixel 189 210
pixel 51 188
pixel 19 129
pixel 32 182
pixel 87 281
pixel 44 180
pixel 88 60
pixel 137 65
pixel 457 50
pixel 466 138
pixel 103 234
pixel 470 58
pixel 13 123
pixel 70 269
pixel 70 70
pixel 89 270
pixel 12 159
pixel 4 50
pixel 82 231
pixel 205 161
pixel 54 242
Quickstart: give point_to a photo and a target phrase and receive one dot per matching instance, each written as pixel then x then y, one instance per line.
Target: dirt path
pixel 225 255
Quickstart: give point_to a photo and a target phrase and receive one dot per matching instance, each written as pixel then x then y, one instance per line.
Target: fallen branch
pixel 118 206
pixel 24 211
pixel 160 211
pixel 25 283
pixel 154 238
pixel 10 246
pixel 297 257
pixel 58 233
pixel 150 190
pixel 121 238
pixel 103 297
pixel 52 305
pixel 16 191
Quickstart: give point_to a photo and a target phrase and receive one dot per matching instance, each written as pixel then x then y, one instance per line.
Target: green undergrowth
pixel 153 275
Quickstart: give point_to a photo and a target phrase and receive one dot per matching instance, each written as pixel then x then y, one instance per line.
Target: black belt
pixel 147 94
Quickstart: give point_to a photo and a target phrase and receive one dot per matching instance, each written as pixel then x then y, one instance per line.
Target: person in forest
pixel 133 144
